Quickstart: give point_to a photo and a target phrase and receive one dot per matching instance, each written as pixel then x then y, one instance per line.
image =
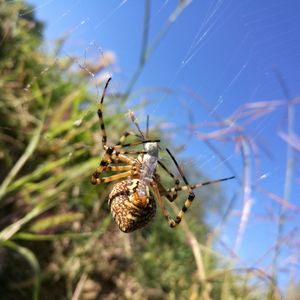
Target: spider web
pixel 220 75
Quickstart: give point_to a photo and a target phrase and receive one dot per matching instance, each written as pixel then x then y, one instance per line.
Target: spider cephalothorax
pixel 132 200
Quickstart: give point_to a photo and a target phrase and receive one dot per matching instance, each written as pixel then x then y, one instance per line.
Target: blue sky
pixel 226 52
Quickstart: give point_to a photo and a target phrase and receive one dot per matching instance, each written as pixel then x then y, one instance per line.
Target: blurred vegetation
pixel 57 238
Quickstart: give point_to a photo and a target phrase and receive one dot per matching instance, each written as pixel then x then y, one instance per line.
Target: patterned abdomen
pixel 130 211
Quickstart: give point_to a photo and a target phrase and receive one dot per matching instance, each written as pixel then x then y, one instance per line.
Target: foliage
pixel 57 239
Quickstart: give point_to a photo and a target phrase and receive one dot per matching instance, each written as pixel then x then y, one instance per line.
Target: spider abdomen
pixel 129 210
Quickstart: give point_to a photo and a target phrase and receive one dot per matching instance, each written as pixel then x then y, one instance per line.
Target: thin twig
pixel 79 287
pixel 197 253
pixel 247 200
pixel 143 53
pixel 288 172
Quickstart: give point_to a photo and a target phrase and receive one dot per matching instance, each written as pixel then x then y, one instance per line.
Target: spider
pixel 133 198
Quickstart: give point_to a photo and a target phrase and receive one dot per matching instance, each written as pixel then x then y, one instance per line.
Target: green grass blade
pixel 32 260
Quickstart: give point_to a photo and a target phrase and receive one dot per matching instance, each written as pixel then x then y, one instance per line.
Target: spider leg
pixel 100 115
pixel 110 156
pixel 165 192
pixel 195 186
pixel 111 178
pixel 127 134
pixel 113 153
pixel 191 196
pixel 136 143
pixel 169 192
pixel 187 187
pixel 118 168
pixel 171 196
pixel 157 196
